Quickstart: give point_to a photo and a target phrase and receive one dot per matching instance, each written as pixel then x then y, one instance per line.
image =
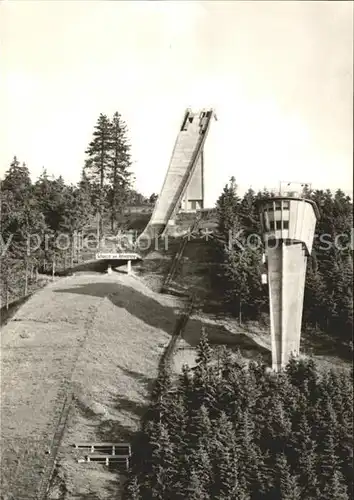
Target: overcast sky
pixel 279 75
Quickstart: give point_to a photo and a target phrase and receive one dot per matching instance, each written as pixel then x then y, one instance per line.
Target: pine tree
pixel 133 489
pixel 228 207
pixel 163 461
pixel 20 218
pixel 204 382
pixel 186 387
pixel 279 427
pixel 222 449
pixel 328 460
pixel 195 489
pixel 249 213
pixel 200 428
pixel 17 181
pixel 307 467
pixel 82 205
pixel 255 471
pixel 226 362
pixel 315 306
pixel 199 461
pixel 160 396
pixel 226 481
pixel 98 164
pixel 118 174
pixel 204 351
pixel 286 487
pixel 335 488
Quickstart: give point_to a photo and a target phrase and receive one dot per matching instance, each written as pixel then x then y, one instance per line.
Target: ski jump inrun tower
pixel 183 188
pixel 288 226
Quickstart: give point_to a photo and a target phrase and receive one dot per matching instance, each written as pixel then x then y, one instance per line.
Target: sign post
pixel 118 256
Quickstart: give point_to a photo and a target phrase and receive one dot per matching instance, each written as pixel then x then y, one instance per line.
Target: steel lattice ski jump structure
pixel 183 187
pixel 288 225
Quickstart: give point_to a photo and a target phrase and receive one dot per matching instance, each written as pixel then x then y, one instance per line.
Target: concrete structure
pixel 193 197
pixel 288 226
pixel 183 187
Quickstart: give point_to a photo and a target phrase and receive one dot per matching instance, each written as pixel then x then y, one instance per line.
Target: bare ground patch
pixel 112 379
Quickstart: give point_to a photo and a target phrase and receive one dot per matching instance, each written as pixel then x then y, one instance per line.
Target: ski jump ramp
pixel 183 187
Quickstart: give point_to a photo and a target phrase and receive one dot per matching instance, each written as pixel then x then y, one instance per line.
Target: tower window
pixel 286 205
pixel 278 205
pixel 285 224
pixel 278 225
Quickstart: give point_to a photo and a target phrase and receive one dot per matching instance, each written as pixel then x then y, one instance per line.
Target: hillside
pixel 76 356
pixel 103 346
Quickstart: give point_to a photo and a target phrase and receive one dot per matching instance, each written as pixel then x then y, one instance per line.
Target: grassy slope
pixel 124 330
pixel 36 365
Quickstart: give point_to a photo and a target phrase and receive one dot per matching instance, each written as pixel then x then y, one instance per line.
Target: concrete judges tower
pixel 288 225
pixel 183 187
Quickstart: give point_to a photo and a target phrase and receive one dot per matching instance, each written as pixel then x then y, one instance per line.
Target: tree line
pixel 35 214
pixel 328 300
pixel 232 430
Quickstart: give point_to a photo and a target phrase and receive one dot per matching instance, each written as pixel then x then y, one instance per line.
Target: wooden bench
pixel 107 459
pixel 123 449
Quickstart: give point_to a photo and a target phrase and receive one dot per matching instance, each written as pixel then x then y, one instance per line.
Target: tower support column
pixel 288 226
pixel 286 278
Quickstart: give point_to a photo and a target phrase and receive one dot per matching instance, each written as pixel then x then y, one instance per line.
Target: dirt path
pixel 97 337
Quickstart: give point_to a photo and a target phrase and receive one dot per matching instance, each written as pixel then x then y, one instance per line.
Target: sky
pixel 278 74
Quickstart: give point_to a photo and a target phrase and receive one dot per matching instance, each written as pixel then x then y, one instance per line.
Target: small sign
pixel 117 256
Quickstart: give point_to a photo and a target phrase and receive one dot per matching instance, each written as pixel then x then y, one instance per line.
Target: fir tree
pixel 335 488
pixel 328 461
pixel 98 164
pixel 204 351
pixel 228 207
pixel 199 461
pixel 118 173
pixel 160 393
pixel 17 181
pixel 226 482
pixel 163 460
pixel 133 489
pixel 200 428
pixel 286 484
pixel 307 467
pixel 195 489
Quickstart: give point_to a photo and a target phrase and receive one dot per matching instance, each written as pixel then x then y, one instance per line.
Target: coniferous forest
pixel 236 430
pixel 328 301
pixel 231 431
pixel 40 220
pixel 50 209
